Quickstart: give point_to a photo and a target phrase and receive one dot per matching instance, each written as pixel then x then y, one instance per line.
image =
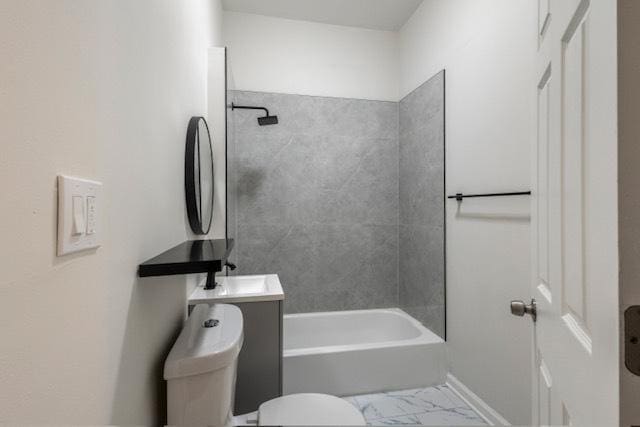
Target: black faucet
pixel 211 276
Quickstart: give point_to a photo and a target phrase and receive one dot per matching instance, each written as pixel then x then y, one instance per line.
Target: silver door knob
pixel 519 308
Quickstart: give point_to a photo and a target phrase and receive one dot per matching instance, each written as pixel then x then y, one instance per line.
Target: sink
pixel 240 289
pixel 243 285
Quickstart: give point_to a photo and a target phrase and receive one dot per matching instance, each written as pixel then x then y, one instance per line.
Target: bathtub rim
pixel 426 336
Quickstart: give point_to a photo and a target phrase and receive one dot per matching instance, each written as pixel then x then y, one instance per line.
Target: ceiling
pixel 389 15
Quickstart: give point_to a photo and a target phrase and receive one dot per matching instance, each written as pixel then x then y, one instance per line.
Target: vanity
pixel 260 298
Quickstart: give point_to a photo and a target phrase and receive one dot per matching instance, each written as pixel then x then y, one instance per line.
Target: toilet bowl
pixel 201 375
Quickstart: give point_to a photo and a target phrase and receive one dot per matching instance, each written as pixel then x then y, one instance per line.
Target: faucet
pixel 211 276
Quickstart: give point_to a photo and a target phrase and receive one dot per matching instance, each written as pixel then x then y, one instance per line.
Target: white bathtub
pixel 355 352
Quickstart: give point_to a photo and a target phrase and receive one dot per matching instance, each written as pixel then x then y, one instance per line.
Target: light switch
pixel 79 226
pixel 78 214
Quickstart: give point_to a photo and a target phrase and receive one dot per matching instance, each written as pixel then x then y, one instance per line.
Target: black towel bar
pixel 459 197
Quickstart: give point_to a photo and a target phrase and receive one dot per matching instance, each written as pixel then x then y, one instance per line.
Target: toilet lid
pixel 309 410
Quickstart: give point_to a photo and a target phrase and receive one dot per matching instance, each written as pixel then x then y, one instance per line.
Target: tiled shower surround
pixel 421 265
pixel 318 199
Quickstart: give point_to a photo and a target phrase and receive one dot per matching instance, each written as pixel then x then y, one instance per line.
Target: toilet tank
pixel 201 367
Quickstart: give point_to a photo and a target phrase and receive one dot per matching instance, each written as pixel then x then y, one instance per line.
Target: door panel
pixel 574 220
pixel 544 390
pixel 544 16
pixel 543 183
pixel 573 170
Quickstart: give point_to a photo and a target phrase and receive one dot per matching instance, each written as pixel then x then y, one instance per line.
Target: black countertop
pixel 191 257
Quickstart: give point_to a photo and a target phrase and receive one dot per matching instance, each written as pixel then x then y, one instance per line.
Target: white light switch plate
pixel 79 202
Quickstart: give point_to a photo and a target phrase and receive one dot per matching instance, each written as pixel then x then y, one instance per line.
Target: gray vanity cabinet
pixel 260 362
pixel 260 298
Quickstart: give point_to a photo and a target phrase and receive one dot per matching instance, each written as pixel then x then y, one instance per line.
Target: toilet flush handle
pixel 211 323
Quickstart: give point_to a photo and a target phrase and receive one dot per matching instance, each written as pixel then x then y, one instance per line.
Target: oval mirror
pixel 198 166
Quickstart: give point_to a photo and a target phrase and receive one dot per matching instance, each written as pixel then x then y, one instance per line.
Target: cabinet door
pixel 260 361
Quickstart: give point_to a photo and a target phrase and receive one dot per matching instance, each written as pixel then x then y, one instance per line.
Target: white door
pixel 575 260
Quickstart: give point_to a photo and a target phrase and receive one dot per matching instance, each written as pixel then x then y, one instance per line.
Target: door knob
pixel 519 308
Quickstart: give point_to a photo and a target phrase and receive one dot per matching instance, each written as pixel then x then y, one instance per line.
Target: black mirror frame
pixel 190 178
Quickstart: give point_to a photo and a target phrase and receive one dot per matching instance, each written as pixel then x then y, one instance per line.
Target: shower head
pixel 268 120
pixel 262 121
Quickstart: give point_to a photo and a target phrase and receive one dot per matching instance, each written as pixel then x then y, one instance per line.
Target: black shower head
pixel 262 121
pixel 268 120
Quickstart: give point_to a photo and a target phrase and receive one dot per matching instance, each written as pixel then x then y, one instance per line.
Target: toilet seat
pixel 309 410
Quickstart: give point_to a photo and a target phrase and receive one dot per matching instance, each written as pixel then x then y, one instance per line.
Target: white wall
pixel 217 122
pixel 488 51
pixel 278 55
pixel 102 90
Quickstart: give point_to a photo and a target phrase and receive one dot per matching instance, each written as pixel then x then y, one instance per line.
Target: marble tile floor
pixel 433 406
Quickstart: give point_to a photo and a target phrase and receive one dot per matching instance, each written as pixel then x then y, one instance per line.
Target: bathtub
pixel 357 352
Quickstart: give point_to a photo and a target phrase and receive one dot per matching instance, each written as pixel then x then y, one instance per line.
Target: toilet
pixel 201 374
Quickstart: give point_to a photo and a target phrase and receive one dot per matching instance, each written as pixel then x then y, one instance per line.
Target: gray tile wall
pixel 343 199
pixel 316 199
pixel 421 221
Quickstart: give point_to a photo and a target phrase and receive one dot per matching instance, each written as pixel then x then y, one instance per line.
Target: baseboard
pixel 490 415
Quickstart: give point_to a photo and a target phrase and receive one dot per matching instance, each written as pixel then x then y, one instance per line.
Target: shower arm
pixel 244 107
